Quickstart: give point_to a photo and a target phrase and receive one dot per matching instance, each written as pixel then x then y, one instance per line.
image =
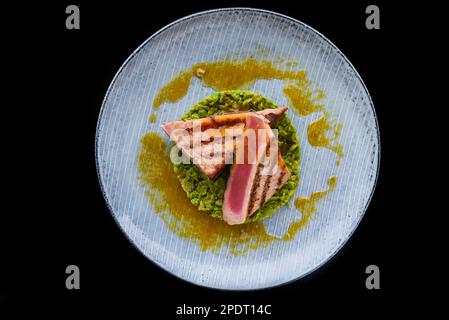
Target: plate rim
pixel 337 248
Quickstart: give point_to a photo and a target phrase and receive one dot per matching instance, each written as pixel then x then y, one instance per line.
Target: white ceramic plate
pixel 209 36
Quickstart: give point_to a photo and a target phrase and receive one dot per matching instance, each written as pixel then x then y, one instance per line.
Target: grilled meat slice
pixel 213 132
pixel 252 183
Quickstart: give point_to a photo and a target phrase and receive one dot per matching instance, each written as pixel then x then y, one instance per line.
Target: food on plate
pixel 250 184
pixel 212 132
pixel 205 185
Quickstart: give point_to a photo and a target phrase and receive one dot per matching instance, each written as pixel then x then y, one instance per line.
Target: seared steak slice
pixel 213 133
pixel 255 180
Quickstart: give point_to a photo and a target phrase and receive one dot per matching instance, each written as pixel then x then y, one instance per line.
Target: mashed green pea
pixel 208 195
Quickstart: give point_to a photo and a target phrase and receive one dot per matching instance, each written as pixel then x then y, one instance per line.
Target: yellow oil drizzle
pixel 174 90
pixel 241 74
pixel 307 206
pixel 302 99
pixel 317 133
pixel 233 74
pixel 153 118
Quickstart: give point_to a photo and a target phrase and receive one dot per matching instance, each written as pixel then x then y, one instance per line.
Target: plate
pixel 210 36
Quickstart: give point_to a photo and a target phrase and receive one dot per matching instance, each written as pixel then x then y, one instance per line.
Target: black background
pixel 72 71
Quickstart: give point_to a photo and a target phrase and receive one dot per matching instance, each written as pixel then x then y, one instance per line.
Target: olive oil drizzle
pixel 318 135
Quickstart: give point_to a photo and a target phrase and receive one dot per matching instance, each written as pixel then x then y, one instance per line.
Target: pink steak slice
pixel 250 185
pixel 181 132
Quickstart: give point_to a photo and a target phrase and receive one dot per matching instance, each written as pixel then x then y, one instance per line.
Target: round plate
pixel 239 32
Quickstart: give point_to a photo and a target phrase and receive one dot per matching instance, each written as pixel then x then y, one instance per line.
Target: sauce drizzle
pixel 242 74
pixel 303 100
pixel 174 90
pixel 307 206
pixel 317 132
